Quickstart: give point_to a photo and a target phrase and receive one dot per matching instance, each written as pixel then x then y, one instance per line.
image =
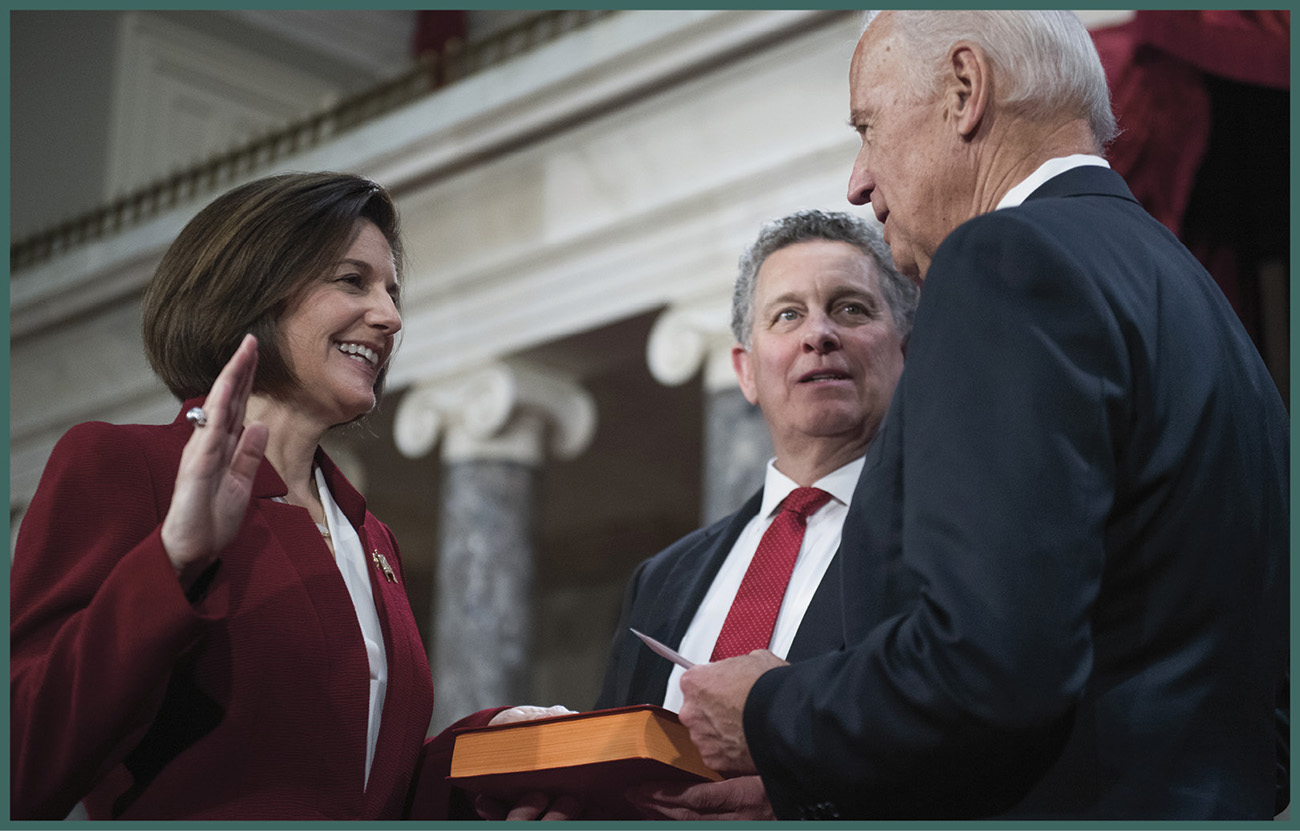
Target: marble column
pixel 497 427
pixel 483 605
pixel 694 335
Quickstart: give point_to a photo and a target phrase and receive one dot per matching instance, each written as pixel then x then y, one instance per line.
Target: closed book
pixel 593 756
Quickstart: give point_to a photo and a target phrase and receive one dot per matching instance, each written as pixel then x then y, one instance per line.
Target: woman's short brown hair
pixel 236 265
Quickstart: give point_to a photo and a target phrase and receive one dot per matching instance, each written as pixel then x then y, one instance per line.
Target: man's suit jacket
pixel 247 699
pixel 1065 568
pixel 666 590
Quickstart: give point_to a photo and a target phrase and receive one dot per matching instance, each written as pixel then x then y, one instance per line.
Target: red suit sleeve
pixel 97 615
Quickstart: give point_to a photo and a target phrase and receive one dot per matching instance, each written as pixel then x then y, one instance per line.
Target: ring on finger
pixel 196 416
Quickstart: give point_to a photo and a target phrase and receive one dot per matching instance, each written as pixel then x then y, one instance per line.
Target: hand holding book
pixel 592 757
pixel 741 798
pixel 625 763
pixel 534 805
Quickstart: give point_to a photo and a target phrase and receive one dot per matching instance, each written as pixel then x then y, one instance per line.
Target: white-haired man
pixel 1067 558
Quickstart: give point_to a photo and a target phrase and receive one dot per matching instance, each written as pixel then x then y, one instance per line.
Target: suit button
pixel 827 810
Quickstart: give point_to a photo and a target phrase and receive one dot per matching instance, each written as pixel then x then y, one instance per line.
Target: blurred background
pixel 576 187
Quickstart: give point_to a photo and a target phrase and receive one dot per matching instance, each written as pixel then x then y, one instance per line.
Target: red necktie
pixel 752 617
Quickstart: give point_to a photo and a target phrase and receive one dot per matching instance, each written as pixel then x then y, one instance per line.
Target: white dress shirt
pixel 351 560
pixel 820 542
pixel 1045 171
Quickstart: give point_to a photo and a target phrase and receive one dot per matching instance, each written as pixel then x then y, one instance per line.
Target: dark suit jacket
pixel 666 590
pixel 1065 567
pixel 248 699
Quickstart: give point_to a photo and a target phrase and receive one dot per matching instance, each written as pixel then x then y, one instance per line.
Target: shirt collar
pixel 1045 171
pixel 839 483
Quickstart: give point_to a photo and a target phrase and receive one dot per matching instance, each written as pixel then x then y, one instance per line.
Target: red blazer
pixel 246 700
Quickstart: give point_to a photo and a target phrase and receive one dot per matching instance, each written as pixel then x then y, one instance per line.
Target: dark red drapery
pixel 1202 99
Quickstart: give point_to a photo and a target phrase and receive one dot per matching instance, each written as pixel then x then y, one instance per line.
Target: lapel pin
pixel 381 562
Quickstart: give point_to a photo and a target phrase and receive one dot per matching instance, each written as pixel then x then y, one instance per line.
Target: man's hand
pixel 742 798
pixel 714 706
pixel 531 806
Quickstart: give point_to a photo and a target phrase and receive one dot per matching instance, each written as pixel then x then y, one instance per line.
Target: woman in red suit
pixel 206 622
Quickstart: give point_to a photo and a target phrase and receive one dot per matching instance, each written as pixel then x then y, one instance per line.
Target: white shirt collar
pixel 839 483
pixel 1045 171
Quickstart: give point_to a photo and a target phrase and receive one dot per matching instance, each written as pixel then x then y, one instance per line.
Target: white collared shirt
pixel 351 560
pixel 820 542
pixel 1045 171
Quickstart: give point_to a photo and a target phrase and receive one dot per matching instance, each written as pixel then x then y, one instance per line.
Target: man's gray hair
pixel 900 293
pixel 1045 60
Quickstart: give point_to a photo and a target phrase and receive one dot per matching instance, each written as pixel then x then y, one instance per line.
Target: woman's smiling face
pixel 337 334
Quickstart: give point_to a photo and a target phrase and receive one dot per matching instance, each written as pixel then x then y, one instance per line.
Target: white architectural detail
pixel 720 121
pixel 182 96
pixel 507 410
pixel 418 421
pixel 691 335
pixel 362 38
pixel 1097 18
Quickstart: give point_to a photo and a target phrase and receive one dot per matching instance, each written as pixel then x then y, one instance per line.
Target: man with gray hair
pixel 820 318
pixel 1065 566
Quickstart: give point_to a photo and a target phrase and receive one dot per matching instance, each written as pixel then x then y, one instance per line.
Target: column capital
pixel 508 410
pixel 690 334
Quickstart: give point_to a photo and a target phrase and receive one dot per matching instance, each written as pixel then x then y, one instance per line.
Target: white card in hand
pixel 660 649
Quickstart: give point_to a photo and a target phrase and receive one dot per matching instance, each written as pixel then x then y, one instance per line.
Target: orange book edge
pixel 593 756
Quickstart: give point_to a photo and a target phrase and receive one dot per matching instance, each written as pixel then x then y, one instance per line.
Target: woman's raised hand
pixel 215 478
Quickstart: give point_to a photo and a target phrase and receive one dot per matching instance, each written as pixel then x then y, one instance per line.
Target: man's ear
pixel 969 87
pixel 743 363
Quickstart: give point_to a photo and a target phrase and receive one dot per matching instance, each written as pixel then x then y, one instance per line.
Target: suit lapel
pixel 680 595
